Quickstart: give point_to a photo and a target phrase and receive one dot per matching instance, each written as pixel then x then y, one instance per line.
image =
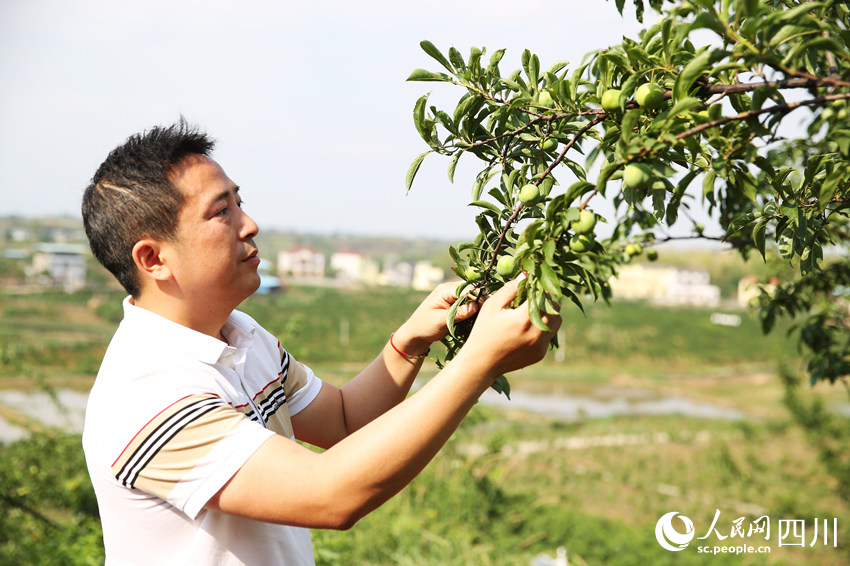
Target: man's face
pixel 215 259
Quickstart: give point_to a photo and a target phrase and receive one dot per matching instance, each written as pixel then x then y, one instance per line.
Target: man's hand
pixel 427 324
pixel 504 337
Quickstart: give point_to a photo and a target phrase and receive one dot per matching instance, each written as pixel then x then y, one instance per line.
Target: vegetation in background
pixel 49 511
pixel 509 485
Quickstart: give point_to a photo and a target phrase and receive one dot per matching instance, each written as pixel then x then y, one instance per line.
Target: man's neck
pixel 205 319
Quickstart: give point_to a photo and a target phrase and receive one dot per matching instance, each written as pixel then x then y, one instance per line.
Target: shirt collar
pixel 171 335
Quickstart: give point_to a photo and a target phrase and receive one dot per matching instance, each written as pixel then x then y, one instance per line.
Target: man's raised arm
pixel 286 483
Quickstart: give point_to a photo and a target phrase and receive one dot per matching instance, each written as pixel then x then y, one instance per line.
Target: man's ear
pixel 150 260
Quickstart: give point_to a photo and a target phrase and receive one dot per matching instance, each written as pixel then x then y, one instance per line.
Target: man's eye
pixel 221 212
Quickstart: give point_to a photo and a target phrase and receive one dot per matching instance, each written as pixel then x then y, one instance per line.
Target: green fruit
pixel 611 99
pixel 545 99
pixel 549 144
pixel 650 95
pixel 506 265
pixel 580 243
pixel 633 248
pixel 585 223
pixel 529 194
pixel 473 274
pixel 652 255
pixel 637 175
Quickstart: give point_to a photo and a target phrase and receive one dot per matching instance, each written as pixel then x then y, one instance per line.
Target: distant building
pixel 301 262
pixel 19 234
pixel 665 285
pixel 60 264
pixel 426 276
pixel 354 267
pixel 396 274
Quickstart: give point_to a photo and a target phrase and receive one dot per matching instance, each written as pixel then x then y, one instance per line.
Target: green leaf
pixel 708 20
pixel 495 58
pixel 620 5
pixel 630 121
pixel 686 104
pixel 501 385
pixel 676 200
pixel 474 58
pixel 423 75
pixel 432 50
pixel 457 59
pixel 695 68
pixel 758 236
pixel 488 205
pixel 481 180
pixel 453 165
pixel 550 281
pixel 557 67
pixel 825 44
pixel 605 171
pixel 827 190
pixel 785 243
pixel 658 201
pixel 419 118
pixel 795 13
pixel 576 190
pixel 534 71
pixel 467 104
pixel 450 318
pixel 454 255
pixel 413 169
pixel 708 184
pixel 535 316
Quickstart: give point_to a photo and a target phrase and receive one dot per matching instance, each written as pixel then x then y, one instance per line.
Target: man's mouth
pixel 252 256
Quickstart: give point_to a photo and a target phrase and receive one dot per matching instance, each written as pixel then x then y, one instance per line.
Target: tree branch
pixel 518 208
pixel 806 81
pixel 784 108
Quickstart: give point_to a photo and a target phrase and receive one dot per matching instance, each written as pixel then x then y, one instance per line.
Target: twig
pixel 518 208
pixel 806 81
pixel 784 108
pixel 736 149
pixel 569 145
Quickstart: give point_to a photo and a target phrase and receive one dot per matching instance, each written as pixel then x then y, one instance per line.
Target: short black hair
pixel 131 196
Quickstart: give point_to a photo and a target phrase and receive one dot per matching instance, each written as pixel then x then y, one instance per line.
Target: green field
pixel 510 484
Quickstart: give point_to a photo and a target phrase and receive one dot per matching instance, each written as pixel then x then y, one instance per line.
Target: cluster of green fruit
pixel 580 242
pixel 530 194
pixel 648 95
pixel 636 175
pixel 651 96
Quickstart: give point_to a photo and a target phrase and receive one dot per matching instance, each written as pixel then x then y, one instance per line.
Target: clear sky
pixel 308 100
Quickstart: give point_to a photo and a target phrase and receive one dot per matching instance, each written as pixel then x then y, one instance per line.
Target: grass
pixel 508 489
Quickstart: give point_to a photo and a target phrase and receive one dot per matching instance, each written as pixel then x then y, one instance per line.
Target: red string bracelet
pixel 408 356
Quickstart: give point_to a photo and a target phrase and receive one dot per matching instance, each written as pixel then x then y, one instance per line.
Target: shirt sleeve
pixel 301 384
pixel 188 451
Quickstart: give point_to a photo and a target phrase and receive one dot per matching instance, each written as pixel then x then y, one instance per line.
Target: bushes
pixel 50 512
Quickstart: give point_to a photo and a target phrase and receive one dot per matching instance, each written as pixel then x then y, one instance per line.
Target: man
pixel 190 428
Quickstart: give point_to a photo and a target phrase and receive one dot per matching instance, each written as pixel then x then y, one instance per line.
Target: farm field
pixel 512 483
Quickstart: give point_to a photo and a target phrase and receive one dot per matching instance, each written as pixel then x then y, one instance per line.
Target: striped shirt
pixel 173 414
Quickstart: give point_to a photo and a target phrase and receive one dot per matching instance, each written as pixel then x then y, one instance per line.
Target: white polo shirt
pixel 173 414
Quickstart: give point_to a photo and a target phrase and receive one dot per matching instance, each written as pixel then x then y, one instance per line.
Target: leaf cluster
pixel 712 143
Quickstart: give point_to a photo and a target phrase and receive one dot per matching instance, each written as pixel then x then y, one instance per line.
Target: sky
pixel 307 100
